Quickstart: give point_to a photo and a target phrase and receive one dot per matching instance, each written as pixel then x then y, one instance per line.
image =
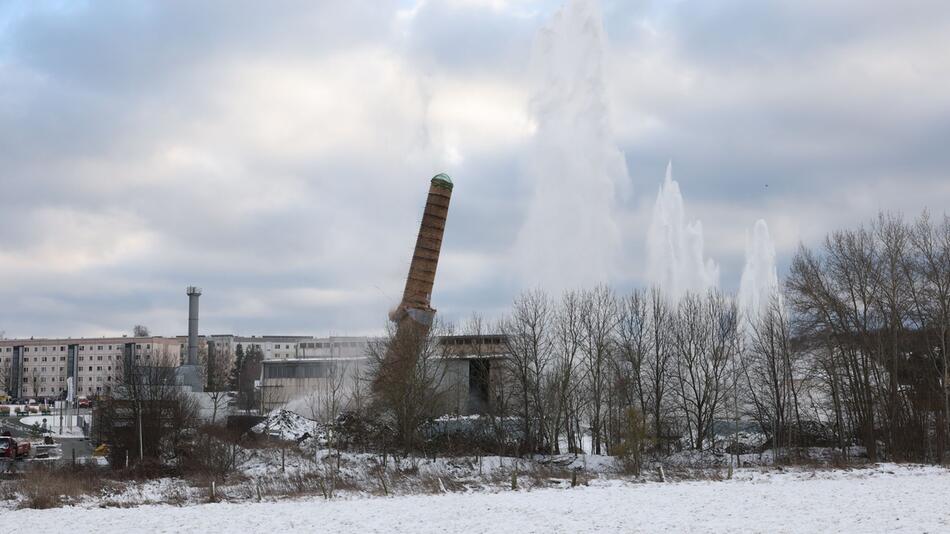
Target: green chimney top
pixel 443 180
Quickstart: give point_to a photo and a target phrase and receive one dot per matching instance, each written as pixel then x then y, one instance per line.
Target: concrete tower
pixel 416 298
pixel 193 294
pixel 188 374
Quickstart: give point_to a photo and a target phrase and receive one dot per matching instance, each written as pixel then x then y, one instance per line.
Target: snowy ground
pixel 885 498
pixel 50 423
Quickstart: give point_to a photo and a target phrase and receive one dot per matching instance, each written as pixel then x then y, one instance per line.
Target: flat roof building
pixel 471 372
pixel 41 368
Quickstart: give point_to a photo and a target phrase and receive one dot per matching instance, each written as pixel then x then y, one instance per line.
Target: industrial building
pixel 471 369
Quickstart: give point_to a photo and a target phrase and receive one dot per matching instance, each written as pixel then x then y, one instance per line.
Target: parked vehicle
pixel 84 403
pixel 12 449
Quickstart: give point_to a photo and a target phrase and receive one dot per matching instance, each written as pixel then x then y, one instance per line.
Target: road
pixel 81 446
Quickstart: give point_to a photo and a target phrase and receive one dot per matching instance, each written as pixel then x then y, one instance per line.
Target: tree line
pixel 852 351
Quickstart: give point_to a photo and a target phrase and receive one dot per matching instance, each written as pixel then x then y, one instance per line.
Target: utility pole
pixel 141 453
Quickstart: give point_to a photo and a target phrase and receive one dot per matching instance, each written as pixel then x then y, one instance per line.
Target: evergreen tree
pixel 235 379
pixel 249 372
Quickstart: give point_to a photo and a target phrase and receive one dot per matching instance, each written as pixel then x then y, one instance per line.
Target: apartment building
pixel 41 368
pixel 272 347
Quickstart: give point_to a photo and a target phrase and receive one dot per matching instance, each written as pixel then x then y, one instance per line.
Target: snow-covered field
pixel 884 498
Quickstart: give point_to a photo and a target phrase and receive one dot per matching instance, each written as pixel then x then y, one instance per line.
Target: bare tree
pixel 528 333
pixel 566 380
pixel 769 367
pixel 835 294
pixel 330 397
pixel 326 402
pixel 876 299
pixel 6 376
pixel 931 245
pixel 658 364
pixel 599 318
pixel 408 372
pixel 35 383
pixel 472 386
pixel 214 365
pixel 149 416
pixel 633 332
pixel 704 344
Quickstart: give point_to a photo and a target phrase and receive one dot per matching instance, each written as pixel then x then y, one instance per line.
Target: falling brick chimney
pixel 416 299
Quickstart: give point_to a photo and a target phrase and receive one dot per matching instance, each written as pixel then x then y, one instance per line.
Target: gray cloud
pixel 279 157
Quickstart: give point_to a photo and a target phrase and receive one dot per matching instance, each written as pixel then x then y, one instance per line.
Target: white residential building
pixel 42 367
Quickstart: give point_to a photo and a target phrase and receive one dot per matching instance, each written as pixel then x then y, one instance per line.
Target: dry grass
pixel 8 491
pixel 544 476
pixel 42 488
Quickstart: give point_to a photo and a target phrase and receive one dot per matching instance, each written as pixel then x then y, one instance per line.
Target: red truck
pixel 12 449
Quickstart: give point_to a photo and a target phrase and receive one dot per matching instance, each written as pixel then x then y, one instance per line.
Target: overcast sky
pixel 278 154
